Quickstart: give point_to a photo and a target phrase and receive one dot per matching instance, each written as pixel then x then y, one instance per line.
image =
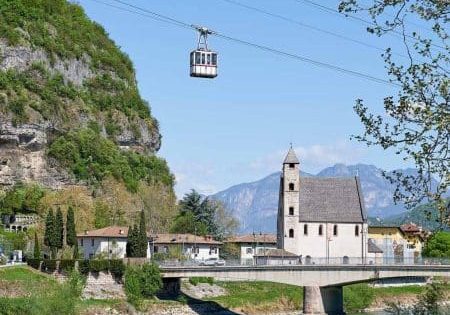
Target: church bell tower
pixel 288 221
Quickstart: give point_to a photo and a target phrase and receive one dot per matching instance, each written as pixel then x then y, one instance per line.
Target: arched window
pixel 305 229
pixel 356 230
pixel 321 229
pixel 291 165
pixel 291 210
pixel 335 230
pixel 291 233
pixel 291 186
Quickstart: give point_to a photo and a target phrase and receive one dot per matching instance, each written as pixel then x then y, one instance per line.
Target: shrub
pixel 76 282
pixel 358 297
pixel 142 282
pixel 98 265
pixel 132 285
pixel 66 265
pixel 117 268
pixel 49 265
pixel 151 281
pixel 34 263
pixel 83 266
pixel 197 280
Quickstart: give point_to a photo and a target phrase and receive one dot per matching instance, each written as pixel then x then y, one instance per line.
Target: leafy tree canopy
pixel 438 245
pixel 201 216
pixel 415 123
pixel 22 198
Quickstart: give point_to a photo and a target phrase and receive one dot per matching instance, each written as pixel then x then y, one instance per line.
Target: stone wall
pixel 103 286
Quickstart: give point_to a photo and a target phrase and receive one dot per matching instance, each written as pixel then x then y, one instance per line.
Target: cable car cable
pixel 163 18
pixel 141 14
pixel 315 28
pixel 357 18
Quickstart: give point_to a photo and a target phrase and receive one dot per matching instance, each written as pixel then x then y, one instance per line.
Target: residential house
pixel 110 242
pixel 396 245
pixel 251 244
pixel 187 246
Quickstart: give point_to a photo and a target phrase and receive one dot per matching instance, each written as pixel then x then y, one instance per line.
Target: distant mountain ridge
pixel 256 203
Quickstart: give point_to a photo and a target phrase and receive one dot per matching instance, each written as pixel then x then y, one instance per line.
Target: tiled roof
pixel 331 200
pixel 183 239
pixel 291 157
pixel 122 231
pixel 373 248
pixel 250 238
pixel 410 228
pixel 110 231
pixel 276 253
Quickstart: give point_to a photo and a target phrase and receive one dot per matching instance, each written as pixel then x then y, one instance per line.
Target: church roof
pixel 337 200
pixel 291 157
pixel 373 248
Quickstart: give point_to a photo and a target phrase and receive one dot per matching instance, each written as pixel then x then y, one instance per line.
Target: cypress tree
pixel 49 229
pixel 135 242
pixel 142 238
pixel 59 230
pixel 130 242
pixel 37 249
pixel 71 236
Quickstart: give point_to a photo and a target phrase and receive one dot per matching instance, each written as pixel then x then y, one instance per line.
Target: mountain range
pixel 255 204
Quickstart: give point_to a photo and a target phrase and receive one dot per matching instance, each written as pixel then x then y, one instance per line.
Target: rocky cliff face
pixel 23 146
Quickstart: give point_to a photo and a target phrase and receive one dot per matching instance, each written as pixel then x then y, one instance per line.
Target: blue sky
pixel 237 127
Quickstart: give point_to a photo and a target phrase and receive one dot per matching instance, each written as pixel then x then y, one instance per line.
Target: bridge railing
pixel 289 261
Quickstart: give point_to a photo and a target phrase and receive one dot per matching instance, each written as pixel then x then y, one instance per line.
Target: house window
pixel 291 186
pixel 291 165
pixel 291 210
pixel 212 250
pixel 356 230
pixel 305 229
pixel 321 229
pixel 335 230
pixel 249 250
pixel 92 242
pixel 291 233
pixel 81 242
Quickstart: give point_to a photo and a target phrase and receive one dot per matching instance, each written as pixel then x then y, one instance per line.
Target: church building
pixel 321 219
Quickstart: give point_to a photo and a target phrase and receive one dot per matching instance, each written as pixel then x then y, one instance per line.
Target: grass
pixel 30 292
pixel 262 296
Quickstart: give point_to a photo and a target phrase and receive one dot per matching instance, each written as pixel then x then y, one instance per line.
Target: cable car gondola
pixel 203 60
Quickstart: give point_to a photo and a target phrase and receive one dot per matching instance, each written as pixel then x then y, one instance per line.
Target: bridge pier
pixel 323 300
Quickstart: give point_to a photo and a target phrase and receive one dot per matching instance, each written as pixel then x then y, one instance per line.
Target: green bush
pixel 196 280
pixel 142 282
pixel 117 268
pixel 83 266
pixel 358 297
pixel 132 285
pixel 98 265
pixel 151 281
pixel 437 246
pixel 49 265
pixel 91 157
pixel 66 265
pixel 34 262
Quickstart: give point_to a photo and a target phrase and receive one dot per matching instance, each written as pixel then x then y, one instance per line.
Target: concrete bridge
pixel 322 283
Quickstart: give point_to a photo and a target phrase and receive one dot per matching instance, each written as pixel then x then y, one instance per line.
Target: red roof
pixel 122 231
